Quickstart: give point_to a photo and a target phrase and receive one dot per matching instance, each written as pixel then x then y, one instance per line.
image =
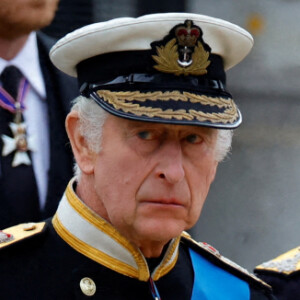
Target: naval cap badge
pixel 183 51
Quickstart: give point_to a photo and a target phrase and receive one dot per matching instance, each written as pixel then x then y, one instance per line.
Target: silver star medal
pixel 19 143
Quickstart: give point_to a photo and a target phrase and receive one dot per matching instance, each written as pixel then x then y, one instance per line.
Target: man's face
pixel 151 180
pixel 19 17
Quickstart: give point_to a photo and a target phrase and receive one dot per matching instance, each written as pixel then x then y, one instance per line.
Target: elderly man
pixel 153 121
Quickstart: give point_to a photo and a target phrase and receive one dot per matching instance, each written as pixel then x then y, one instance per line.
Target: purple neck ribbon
pixel 9 103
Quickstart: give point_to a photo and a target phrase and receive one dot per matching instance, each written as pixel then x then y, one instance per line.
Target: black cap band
pixel 107 67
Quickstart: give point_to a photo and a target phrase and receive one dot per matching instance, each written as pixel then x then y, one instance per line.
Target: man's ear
pixel 83 155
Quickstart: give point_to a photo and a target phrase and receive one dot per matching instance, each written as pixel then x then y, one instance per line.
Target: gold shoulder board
pixel 286 263
pixel 19 232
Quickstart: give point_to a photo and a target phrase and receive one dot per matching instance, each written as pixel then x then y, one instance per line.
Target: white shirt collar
pixel 27 60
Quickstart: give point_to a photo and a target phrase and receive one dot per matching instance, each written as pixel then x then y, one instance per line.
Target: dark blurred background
pixel 252 211
pixel 73 14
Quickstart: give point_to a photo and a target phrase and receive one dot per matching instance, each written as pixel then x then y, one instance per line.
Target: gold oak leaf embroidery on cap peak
pixel 123 101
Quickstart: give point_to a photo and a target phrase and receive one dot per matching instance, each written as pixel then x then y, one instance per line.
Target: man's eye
pixel 193 139
pixel 145 135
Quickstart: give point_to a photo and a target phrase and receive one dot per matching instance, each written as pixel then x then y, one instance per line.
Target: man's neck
pixel 9 48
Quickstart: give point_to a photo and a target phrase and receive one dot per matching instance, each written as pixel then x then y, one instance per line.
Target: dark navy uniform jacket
pixel 78 255
pixel 283 274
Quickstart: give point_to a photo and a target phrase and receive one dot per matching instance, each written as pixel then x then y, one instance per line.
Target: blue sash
pixel 213 283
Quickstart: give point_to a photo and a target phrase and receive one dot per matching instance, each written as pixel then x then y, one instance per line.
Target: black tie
pixel 18 190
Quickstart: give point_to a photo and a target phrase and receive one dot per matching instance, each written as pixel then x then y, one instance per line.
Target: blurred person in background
pixel 35 160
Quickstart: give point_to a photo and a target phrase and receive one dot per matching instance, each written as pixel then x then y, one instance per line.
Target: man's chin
pixel 22 29
pixel 160 232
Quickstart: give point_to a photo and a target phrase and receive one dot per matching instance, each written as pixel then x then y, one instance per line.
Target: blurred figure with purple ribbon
pixel 35 161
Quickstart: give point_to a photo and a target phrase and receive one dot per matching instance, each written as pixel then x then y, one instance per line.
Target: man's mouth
pixel 164 201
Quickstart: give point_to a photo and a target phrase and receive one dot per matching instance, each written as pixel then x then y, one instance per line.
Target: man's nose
pixel 170 167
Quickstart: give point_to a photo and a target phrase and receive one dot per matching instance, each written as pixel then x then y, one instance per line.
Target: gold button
pixel 29 226
pixel 88 286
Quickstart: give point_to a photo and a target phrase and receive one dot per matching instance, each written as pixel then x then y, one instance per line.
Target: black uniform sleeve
pixel 285 287
pixel 259 295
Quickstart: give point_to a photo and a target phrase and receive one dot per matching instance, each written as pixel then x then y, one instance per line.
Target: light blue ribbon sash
pixel 213 283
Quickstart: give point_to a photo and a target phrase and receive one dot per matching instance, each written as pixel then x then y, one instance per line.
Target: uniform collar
pixel 27 60
pixel 95 238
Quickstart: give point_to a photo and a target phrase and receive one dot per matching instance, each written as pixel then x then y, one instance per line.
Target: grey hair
pixel 223 145
pixel 92 118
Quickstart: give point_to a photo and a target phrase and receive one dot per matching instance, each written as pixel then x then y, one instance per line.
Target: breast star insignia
pixel 20 143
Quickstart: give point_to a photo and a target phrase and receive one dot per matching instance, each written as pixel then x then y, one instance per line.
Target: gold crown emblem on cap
pixel 187 35
pixel 184 53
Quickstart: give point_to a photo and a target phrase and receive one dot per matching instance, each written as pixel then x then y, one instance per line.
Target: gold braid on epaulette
pixel 123 101
pixel 286 263
pixel 208 248
pixel 20 232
